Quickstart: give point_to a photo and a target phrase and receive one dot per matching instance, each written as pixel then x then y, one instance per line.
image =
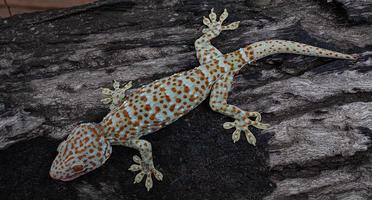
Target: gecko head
pixel 84 150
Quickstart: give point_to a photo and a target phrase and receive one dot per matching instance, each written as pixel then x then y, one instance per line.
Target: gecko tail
pixel 265 48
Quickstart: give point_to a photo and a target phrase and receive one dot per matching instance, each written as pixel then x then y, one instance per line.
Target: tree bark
pixel 53 64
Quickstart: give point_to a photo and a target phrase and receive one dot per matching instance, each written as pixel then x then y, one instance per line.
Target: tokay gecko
pixel 163 101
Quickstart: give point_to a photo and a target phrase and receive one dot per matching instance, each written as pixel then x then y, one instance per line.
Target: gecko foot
pixel 216 26
pixel 242 125
pixel 115 97
pixel 145 169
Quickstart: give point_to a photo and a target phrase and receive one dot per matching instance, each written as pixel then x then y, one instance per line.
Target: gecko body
pixel 154 106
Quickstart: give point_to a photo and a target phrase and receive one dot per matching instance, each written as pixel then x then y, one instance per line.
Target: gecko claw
pixel 158 175
pixel 135 168
pixel 106 100
pixel 250 137
pixel 206 21
pixel 144 170
pixel 228 125
pixel 137 159
pixel 216 26
pixel 236 135
pixel 242 125
pixel 224 15
pixel 139 177
pixel 261 125
pixel 115 97
pixel 148 182
pixel 212 16
pixel 231 26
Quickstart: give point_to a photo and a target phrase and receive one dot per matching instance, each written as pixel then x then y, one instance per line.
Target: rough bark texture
pixel 53 64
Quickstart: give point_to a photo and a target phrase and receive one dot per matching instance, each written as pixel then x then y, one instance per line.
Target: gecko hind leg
pixel 117 96
pixel 218 103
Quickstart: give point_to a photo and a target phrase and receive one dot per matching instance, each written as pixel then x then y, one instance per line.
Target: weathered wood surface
pixel 53 64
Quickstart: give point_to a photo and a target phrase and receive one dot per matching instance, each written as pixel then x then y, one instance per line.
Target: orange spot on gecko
pixel 136 123
pixel 147 107
pixel 143 98
pixel 93 130
pixel 157 109
pixel 126 114
pixel 171 108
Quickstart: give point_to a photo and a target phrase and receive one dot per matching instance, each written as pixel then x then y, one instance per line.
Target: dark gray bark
pixel 53 64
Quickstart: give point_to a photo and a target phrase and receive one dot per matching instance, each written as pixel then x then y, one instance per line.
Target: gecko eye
pixel 77 168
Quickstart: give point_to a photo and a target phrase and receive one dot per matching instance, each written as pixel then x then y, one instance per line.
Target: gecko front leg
pixel 218 103
pixel 117 96
pixel 144 165
pixel 205 51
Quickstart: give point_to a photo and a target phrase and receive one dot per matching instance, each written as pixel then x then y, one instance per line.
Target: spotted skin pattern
pixel 154 106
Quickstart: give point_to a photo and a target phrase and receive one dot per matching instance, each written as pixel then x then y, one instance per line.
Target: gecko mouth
pixel 68 178
pixel 72 177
